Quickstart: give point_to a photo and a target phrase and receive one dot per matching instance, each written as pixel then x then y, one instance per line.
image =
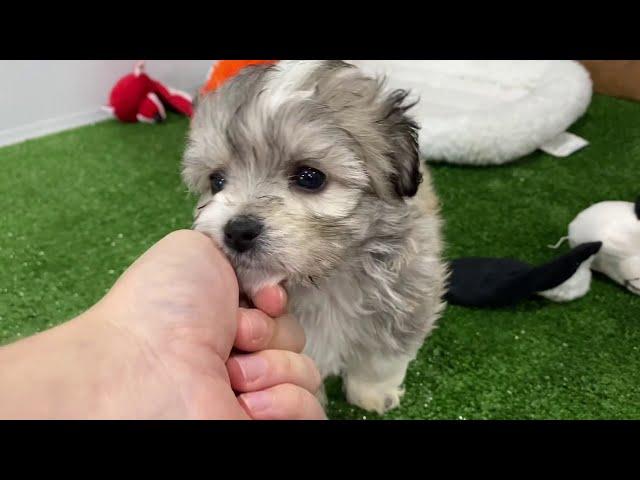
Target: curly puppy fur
pixel 361 258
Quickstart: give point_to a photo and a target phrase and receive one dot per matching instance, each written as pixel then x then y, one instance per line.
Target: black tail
pixel 558 271
pixel 500 282
pixel 638 208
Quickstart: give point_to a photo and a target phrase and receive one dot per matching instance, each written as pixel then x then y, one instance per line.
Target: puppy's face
pixel 291 163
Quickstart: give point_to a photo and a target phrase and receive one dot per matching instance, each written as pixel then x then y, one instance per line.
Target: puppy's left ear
pixel 402 131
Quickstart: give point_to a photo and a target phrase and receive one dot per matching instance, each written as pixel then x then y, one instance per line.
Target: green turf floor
pixel 78 207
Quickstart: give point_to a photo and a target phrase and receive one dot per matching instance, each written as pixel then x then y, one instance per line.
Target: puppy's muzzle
pixel 241 233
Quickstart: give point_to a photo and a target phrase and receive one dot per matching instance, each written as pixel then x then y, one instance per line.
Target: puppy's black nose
pixel 241 233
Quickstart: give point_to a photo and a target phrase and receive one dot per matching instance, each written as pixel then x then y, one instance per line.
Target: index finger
pixel 271 299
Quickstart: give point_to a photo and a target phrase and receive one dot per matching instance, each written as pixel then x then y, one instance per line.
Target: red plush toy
pixel 138 98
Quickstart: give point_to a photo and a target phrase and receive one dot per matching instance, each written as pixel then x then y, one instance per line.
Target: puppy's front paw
pixel 374 397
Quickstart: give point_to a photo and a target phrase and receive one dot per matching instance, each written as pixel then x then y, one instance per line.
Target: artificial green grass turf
pixel 80 206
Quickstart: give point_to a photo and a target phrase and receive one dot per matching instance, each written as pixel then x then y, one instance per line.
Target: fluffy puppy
pixel 309 173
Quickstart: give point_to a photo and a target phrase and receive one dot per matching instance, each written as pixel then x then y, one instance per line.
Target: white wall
pixel 38 97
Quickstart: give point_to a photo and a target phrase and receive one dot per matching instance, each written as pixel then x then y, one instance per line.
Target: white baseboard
pixel 51 125
pixel 58 124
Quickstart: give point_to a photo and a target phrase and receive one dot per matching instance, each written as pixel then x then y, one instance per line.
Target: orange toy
pixel 225 69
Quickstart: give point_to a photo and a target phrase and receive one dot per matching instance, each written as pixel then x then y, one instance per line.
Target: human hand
pixel 158 346
pixel 185 295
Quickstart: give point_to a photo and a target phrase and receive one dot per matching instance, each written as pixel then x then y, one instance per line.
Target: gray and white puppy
pixel 309 173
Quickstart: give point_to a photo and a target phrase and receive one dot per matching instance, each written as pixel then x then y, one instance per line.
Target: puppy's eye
pixel 217 182
pixel 309 178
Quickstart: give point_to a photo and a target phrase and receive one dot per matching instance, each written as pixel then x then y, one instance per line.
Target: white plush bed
pixel 484 112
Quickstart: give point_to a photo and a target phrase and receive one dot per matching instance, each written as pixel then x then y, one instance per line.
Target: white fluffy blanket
pixel 484 112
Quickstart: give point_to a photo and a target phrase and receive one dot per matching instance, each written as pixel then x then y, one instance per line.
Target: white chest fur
pixel 333 316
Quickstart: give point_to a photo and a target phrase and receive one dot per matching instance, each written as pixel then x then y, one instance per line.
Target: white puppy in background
pixel 309 174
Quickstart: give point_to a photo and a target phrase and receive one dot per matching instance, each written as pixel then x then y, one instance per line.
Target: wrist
pixel 73 371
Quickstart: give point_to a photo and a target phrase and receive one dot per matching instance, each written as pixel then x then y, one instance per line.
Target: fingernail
pixel 257 401
pixel 252 367
pixel 258 328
